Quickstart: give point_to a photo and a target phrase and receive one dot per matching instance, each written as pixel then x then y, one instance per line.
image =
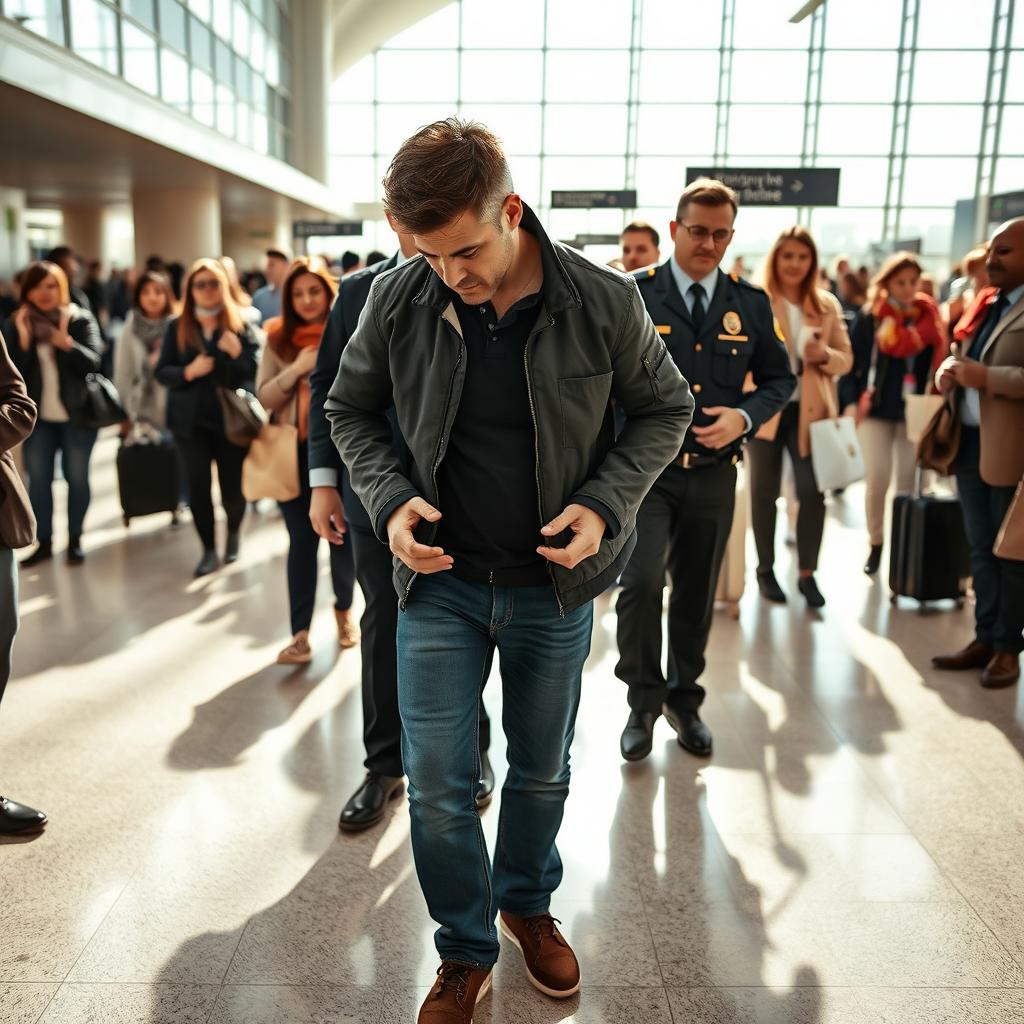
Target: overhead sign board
pixel 781 186
pixel 620 199
pixel 325 228
pixel 1006 206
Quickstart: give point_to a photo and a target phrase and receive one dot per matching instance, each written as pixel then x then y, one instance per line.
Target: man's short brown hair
pixel 444 170
pixel 642 225
pixel 707 192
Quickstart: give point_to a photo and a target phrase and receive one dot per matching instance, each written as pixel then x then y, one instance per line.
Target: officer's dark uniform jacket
pixel 738 337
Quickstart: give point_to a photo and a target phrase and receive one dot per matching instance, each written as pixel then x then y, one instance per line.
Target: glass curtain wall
pixel 919 102
pixel 226 63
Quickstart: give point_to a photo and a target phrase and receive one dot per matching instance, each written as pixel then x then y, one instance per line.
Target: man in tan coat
pixel 985 381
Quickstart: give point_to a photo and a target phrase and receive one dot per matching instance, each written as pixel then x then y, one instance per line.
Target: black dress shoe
pixel 874 559
pixel 485 787
pixel 769 587
pixel 207 564
pixel 231 550
pixel 75 556
pixel 42 553
pixel 809 588
pixel 368 803
pixel 638 736
pixel 18 820
pixel 693 734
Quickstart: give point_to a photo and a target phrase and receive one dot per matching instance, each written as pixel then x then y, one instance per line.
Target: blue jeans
pixel 75 447
pixel 998 582
pixel 447 637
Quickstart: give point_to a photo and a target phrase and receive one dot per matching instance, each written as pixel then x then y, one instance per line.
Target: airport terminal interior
pixel 850 851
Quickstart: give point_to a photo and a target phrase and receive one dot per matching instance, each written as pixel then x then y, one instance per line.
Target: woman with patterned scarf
pixel 898 341
pixel 54 344
pixel 283 388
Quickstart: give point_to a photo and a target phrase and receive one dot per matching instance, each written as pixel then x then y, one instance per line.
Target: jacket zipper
pixel 653 374
pixel 440 445
pixel 536 456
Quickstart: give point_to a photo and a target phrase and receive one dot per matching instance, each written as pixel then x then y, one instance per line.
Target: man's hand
pixel 327 514
pixel 944 379
pixel 229 344
pixel 588 528
pixel 418 557
pixel 729 425
pixel 970 374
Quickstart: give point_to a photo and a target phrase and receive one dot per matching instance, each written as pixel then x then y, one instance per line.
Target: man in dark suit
pixel 337 515
pixel 717 329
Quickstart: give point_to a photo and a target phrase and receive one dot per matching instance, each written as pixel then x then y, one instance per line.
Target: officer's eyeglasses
pixel 699 233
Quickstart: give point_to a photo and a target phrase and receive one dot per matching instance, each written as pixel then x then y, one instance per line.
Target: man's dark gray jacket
pixel 593 341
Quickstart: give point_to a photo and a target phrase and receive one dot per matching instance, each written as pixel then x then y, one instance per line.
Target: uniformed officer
pixel 717 329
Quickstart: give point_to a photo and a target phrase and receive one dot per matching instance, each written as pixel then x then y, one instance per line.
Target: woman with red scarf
pixel 283 387
pixel 898 341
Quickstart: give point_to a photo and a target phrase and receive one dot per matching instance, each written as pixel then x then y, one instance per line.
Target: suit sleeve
pixel 323 456
pixel 769 366
pixel 356 409
pixel 17 410
pixel 658 408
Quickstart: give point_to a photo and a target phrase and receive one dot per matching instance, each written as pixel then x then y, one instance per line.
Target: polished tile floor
pixel 853 852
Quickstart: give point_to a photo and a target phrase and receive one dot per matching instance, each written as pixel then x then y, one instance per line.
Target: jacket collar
pixel 1012 314
pixel 558 290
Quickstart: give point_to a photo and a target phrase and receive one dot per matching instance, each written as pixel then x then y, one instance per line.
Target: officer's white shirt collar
pixel 684 281
pixel 1012 298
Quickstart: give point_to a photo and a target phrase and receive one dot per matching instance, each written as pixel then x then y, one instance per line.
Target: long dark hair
pixel 280 339
pixel 163 283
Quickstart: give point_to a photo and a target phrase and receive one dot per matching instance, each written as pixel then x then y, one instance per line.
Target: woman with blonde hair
pixel 54 345
pixel 898 342
pixel 242 298
pixel 810 320
pixel 207 347
pixel 293 340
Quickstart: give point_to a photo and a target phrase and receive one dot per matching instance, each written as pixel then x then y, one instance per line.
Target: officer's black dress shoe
pixel 485 787
pixel 231 550
pixel 809 588
pixel 638 736
pixel 75 555
pixel 368 803
pixel 769 587
pixel 18 820
pixel 207 564
pixel 874 559
pixel 693 734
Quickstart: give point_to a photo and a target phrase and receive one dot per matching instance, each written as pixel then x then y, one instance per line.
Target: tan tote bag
pixel 1010 539
pixel 271 469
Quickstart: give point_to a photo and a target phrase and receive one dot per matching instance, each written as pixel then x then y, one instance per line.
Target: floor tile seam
pixel 49 1003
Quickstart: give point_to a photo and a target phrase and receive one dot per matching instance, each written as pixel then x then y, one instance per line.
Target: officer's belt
pixel 690 460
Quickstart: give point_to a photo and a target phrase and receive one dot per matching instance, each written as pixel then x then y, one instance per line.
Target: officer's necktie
pixel 697 312
pixel 995 314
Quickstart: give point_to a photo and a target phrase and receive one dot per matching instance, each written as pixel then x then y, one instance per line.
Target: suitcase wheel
pixel 124 519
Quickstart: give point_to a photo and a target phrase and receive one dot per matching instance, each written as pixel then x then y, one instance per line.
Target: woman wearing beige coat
pixel 283 388
pixel 811 323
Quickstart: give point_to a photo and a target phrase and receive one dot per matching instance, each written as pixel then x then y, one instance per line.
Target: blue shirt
pixel 970 408
pixel 268 301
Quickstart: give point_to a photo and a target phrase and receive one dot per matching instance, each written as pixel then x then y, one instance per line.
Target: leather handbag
pixel 271 469
pixel 919 411
pixel 244 416
pixel 940 441
pixel 17 521
pixel 101 405
pixel 1010 539
pixel 836 455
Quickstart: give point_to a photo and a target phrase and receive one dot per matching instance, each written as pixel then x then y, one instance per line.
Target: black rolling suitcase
pixel 148 478
pixel 928 558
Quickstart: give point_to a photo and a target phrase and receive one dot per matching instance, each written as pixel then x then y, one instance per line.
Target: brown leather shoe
pixel 1002 670
pixel 974 655
pixel 452 1000
pixel 551 964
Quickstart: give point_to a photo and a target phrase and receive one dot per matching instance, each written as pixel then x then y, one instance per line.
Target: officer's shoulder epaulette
pixel 645 273
pixel 744 283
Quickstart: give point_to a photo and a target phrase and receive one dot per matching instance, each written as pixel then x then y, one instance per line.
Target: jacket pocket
pixel 729 363
pixel 584 402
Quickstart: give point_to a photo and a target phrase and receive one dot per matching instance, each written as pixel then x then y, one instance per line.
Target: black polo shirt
pixel 487 482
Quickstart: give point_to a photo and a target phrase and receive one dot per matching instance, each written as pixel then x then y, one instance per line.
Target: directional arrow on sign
pixel 797 185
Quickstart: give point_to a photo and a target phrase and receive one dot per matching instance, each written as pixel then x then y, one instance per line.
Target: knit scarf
pixel 896 332
pixel 304 336
pixel 43 326
pixel 974 315
pixel 149 332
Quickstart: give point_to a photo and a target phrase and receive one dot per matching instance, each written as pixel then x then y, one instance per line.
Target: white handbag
pixel 835 453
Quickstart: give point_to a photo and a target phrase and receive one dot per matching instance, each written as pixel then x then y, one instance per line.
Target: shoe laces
pixel 454 977
pixel 542 926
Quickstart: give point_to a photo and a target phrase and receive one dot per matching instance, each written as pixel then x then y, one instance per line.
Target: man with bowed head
pixel 985 382
pixel 501 350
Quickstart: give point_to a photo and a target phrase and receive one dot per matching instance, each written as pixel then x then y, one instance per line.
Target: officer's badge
pixel 732 323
